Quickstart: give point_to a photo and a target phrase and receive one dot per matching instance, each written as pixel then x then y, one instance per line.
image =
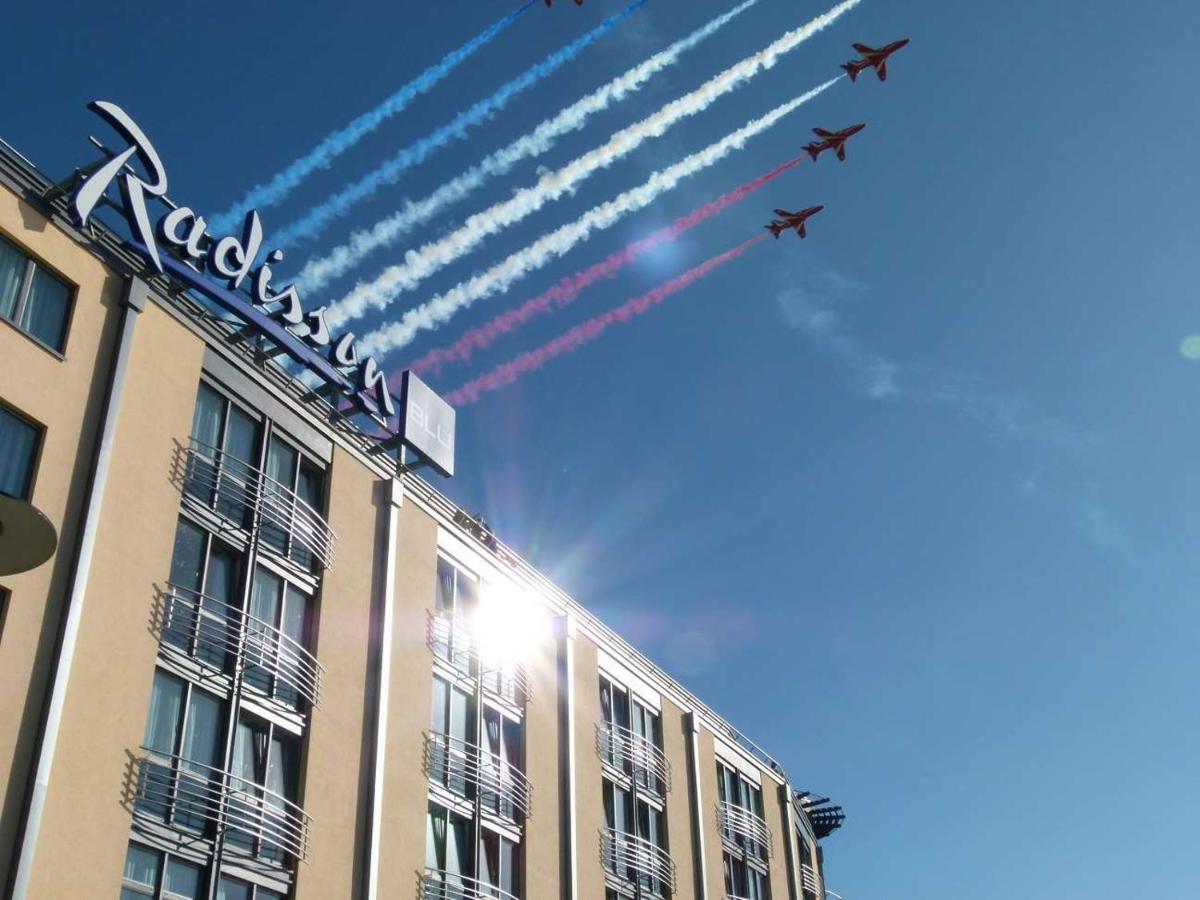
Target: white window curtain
pixel 12 273
pixel 45 312
pixel 166 705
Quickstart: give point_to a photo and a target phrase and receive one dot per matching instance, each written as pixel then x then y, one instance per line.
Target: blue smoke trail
pixel 343 139
pixel 316 218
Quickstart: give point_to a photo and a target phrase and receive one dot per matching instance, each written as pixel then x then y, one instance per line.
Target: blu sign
pixel 427 425
pixel 223 269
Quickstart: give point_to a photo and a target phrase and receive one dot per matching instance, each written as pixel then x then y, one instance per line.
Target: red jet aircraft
pixel 872 58
pixel 832 140
pixel 794 220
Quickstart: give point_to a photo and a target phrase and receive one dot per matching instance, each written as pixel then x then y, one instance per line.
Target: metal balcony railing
pixel 252 500
pixel 744 829
pixel 634 755
pixel 471 771
pixel 221 636
pixel 635 860
pixel 809 880
pixel 449 637
pixel 439 885
pixel 194 797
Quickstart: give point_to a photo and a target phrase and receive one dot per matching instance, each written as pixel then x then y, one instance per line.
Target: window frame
pixel 32 264
pixel 35 460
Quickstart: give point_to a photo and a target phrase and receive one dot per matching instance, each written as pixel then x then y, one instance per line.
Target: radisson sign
pixel 223 269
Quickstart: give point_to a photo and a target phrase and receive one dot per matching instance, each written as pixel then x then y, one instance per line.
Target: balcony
pixel 222 637
pixel 470 771
pixel 251 500
pixel 744 829
pixel 439 885
pixel 634 756
pixel 809 881
pixel 634 860
pixel 449 638
pixel 192 797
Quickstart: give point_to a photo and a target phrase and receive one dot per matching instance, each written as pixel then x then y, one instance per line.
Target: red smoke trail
pixel 588 331
pixel 570 287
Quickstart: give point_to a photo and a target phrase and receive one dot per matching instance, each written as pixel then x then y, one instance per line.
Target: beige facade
pixel 199 699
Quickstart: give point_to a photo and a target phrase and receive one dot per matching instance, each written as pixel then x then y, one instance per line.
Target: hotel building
pixel 269 661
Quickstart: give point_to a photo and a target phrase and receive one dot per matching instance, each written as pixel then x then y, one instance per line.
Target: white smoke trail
pixel 421 263
pixel 319 272
pixel 556 243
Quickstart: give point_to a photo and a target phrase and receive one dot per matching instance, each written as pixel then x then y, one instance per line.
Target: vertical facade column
pixel 394 499
pixel 565 635
pixel 789 842
pixel 693 730
pixel 133 302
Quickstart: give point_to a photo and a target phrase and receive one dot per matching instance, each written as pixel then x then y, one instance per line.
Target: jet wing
pixel 881 70
pixel 785 213
pixel 821 132
pixel 841 152
pixel 864 49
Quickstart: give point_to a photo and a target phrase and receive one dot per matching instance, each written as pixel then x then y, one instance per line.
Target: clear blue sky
pixel 913 503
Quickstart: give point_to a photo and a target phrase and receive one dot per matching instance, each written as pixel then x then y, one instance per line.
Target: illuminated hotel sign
pixel 223 270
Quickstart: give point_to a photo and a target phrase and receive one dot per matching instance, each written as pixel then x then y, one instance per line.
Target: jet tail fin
pixel 851 70
pixel 813 151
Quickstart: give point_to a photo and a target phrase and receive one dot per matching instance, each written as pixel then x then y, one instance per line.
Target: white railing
pixel 194 797
pixel 744 828
pixel 450 638
pixel 470 771
pixel 809 880
pixel 215 634
pixel 634 755
pixel 635 860
pixel 252 500
pixel 439 885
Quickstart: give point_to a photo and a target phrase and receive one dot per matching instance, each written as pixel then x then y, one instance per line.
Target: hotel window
pixel 456 598
pixel 448 856
pixel 277 638
pixel 236 889
pixel 451 733
pixel 633 823
pixel 34 300
pixel 19 441
pixel 744 835
pixel 808 869
pixel 151 873
pixel 183 740
pixel 632 741
pixel 265 775
pixel 242 468
pixel 203 599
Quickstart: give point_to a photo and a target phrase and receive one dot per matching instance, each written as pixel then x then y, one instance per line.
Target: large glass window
pixel 147 876
pixel 634 819
pixel 31 298
pixel 184 728
pixel 448 857
pixel 235 889
pixel 499 862
pixel 455 601
pixel 265 769
pixel 19 441
pixel 202 604
pixel 451 738
pixel 225 444
pixel 277 638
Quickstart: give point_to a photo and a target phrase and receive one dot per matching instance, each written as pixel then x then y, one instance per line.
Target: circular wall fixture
pixel 27 539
